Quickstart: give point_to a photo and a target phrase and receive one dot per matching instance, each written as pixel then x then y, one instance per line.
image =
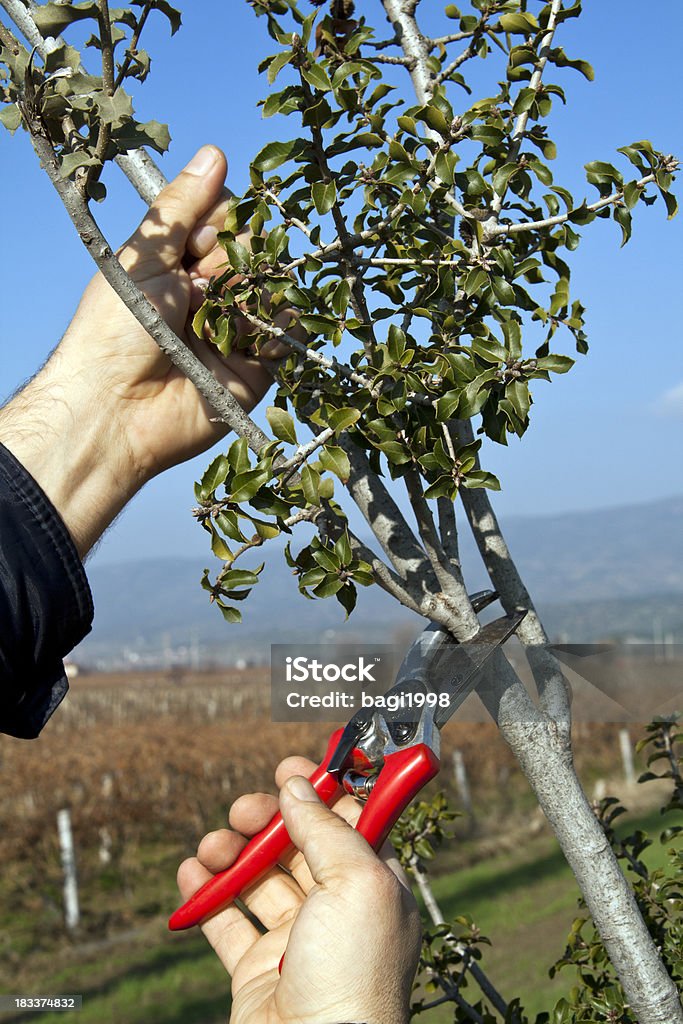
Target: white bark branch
pixel 561 218
pixel 535 84
pixel 541 747
pixel 505 577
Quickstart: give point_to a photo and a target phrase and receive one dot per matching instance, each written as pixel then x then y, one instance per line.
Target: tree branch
pixel 449 531
pixel 447 574
pixel 436 915
pixel 552 687
pixel 132 46
pixel 389 526
pixel 535 84
pixel 562 218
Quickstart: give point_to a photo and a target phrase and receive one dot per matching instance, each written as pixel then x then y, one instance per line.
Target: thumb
pixel 332 849
pixel 159 243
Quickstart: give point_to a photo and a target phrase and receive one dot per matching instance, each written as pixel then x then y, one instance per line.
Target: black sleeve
pixel 45 602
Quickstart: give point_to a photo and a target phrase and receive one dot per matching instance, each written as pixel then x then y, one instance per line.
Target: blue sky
pixel 608 433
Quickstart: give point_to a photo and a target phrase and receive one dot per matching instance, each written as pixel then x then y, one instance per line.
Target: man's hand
pixel 346 918
pixel 109 411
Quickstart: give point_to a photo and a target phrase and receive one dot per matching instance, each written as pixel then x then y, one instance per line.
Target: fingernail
pixel 301 789
pixel 200 282
pixel 202 162
pixel 203 239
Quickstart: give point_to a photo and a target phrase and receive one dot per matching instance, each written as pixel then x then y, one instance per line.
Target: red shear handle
pixel 402 777
pixel 259 855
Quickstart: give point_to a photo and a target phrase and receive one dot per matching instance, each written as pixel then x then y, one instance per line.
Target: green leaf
pixel 220 548
pixel 445 165
pixel 324 196
pixel 480 478
pixel 71 162
pixel 326 489
pixel 267 531
pixel 317 324
pixel 171 13
pixel 215 475
pixel 317 77
pixel 503 291
pixel 326 558
pixel 281 423
pixel 245 485
pixel 10 117
pixel 632 192
pixel 52 18
pixel 335 460
pixel 329 586
pixel 489 350
pixel 513 339
pixel 228 523
pixel 341 298
pixel 347 597
pixel 342 549
pixel 278 63
pixel 517 393
pixel 310 482
pixel 114 110
pixel 502 177
pixel 396 342
pixel 555 364
pixel 238 455
pixel 234 578
pixel 132 136
pixel 446 405
pixel 230 614
pixel 239 255
pixel 600 173
pixel 277 153
pixel 395 452
pixel 342 419
pixel 524 101
pixel 519 24
pixel 624 220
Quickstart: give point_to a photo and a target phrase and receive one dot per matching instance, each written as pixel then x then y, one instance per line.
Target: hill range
pixel 606 573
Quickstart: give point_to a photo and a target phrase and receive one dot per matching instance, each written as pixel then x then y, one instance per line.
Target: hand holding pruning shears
pixel 383 759
pixel 346 917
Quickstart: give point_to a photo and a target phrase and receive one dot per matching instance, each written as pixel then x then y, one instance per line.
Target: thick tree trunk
pixel 541 739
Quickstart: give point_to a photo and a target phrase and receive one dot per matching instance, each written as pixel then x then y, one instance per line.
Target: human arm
pixel 346 918
pixel 105 414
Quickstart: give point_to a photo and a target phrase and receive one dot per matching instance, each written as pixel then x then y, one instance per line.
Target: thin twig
pixel 562 218
pixel 133 45
pixel 109 87
pixel 534 84
pixel 436 915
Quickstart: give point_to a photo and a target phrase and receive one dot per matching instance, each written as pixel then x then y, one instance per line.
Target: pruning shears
pixel 382 757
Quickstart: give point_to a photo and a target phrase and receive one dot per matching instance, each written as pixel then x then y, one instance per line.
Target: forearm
pixel 64 433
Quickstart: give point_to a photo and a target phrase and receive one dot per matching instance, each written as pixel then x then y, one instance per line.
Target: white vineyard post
pixel 461 781
pixel 66 845
pixel 627 756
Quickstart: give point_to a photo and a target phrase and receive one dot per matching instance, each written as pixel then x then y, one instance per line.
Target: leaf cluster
pixel 402 236
pixel 88 118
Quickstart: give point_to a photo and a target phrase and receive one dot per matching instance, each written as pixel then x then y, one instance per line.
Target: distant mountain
pixel 608 572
